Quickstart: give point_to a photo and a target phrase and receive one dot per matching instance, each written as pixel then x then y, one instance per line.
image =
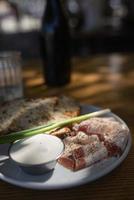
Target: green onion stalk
pixel 49 127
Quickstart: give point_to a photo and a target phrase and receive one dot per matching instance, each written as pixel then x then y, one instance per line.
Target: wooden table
pixel 106 81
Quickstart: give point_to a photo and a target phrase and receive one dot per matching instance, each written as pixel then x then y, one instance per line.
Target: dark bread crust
pixel 23 113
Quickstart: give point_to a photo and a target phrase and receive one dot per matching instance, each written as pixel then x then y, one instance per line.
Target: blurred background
pixel 104 26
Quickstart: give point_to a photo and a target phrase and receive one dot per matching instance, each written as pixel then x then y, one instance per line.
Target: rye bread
pixel 23 114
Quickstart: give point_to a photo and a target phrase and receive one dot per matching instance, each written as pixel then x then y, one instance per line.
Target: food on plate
pixel 35 150
pixel 24 114
pixel 92 141
pixel 37 154
pixel 88 138
pixel 49 127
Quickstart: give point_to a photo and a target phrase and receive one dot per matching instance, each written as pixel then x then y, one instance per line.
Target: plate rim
pixel 102 173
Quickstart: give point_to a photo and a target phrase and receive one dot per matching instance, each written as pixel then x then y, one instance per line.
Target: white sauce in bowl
pixel 36 150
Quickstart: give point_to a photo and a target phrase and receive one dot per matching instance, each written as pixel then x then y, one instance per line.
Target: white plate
pixel 61 177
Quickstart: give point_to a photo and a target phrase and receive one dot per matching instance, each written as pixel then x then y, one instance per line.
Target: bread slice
pixel 23 114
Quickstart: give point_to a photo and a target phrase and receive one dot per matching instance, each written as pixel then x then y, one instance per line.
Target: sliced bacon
pixel 107 129
pixel 76 156
pixel 80 163
pixel 78 153
pixel 67 162
pixel 92 141
pixel 113 149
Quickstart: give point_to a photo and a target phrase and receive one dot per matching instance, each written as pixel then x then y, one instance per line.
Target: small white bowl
pixel 37 154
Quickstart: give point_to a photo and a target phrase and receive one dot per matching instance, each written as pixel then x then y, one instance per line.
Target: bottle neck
pixel 53 10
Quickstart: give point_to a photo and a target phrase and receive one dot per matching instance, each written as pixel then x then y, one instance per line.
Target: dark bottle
pixel 55 45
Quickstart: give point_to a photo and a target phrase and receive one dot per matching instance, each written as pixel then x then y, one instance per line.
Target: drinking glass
pixel 10 76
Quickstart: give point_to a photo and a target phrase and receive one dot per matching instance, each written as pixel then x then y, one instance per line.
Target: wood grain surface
pixel 106 81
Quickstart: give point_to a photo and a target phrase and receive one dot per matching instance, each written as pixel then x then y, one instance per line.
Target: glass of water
pixel 10 76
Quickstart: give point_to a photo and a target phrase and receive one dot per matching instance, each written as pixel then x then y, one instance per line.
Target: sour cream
pixel 36 150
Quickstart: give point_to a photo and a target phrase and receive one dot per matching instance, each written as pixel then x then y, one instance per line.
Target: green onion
pixel 48 128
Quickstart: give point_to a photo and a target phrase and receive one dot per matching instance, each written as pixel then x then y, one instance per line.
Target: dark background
pixel 104 26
